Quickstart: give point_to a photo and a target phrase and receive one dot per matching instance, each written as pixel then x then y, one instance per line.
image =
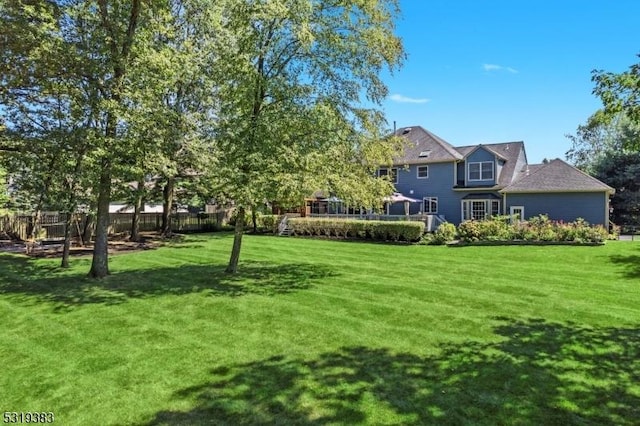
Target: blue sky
pixel 484 71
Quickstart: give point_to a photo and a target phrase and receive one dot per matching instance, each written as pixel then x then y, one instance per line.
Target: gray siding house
pixel 474 182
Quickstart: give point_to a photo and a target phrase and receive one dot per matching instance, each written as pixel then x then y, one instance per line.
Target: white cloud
pixel 494 67
pixel 405 99
pixel 491 67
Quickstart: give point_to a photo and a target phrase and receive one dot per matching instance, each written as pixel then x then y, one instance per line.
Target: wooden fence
pixel 52 224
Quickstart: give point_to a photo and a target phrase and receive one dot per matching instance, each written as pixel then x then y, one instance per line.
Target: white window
pixel 393 172
pixel 430 205
pixel 423 172
pixel 481 170
pixel 479 209
pixel 516 213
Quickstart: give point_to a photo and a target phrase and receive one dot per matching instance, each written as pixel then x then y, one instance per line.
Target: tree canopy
pixel 270 101
pixel 608 145
pixel 620 92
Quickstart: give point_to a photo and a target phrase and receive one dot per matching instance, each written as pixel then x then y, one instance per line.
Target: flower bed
pixel 538 229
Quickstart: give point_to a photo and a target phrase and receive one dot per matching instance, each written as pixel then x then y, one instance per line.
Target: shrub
pixel 445 233
pixel 234 217
pixel 362 229
pixel 268 223
pixel 539 228
pixel 469 230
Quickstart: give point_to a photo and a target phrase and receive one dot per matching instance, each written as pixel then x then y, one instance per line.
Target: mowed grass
pixel 326 332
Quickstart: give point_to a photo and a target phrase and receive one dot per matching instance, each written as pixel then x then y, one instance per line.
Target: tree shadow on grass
pixel 31 281
pixel 630 263
pixel 539 373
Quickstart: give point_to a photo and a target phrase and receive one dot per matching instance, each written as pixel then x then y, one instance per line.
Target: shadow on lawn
pixel 29 280
pixel 540 373
pixel 630 263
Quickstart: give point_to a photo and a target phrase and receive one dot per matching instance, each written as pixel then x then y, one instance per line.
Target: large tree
pixel 299 84
pixel 603 147
pixel 44 107
pixel 599 137
pixel 112 64
pixel 620 92
pixel 620 95
pixel 77 53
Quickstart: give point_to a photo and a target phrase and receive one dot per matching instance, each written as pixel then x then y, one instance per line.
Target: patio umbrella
pixel 398 197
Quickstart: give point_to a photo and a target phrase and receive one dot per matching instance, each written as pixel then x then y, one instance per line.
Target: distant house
pixel 147 208
pixel 474 182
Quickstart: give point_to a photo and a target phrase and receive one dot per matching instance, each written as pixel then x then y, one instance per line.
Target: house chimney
pixel 394 127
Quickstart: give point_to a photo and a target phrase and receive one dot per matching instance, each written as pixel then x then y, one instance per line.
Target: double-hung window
pixel 423 172
pixel 482 170
pixel 392 173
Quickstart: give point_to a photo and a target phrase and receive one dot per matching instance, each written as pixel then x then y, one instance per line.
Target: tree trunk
pixel 35 225
pixel 87 232
pixel 254 220
pixel 135 222
pixel 232 267
pixel 167 206
pixel 100 262
pixel 66 248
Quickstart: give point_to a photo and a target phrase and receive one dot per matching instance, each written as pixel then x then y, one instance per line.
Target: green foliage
pixel 254 101
pixel 601 137
pixel 378 230
pixel 620 93
pixel 445 233
pixel 268 223
pixel 299 92
pixel 538 228
pixel 620 170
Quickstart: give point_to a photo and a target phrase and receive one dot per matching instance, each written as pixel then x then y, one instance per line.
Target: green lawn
pixel 324 332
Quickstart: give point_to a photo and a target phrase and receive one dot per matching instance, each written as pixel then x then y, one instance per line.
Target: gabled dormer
pixel 482 167
pixel 491 165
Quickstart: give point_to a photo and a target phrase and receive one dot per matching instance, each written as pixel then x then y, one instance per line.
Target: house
pixel 120 207
pixel 474 182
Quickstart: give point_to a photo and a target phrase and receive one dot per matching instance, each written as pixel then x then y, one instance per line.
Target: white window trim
pixel 418 172
pixel 424 199
pixel 388 169
pixel 512 208
pixel 488 211
pixel 480 163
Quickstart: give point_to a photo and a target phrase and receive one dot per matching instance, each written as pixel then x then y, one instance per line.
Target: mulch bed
pixel 51 248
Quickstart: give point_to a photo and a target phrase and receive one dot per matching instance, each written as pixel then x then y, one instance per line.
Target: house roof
pixel 424 147
pixel 556 176
pixel 485 147
pixel 481 196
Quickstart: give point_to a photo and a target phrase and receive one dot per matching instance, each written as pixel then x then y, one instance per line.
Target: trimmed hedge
pixel 378 230
pixel 538 228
